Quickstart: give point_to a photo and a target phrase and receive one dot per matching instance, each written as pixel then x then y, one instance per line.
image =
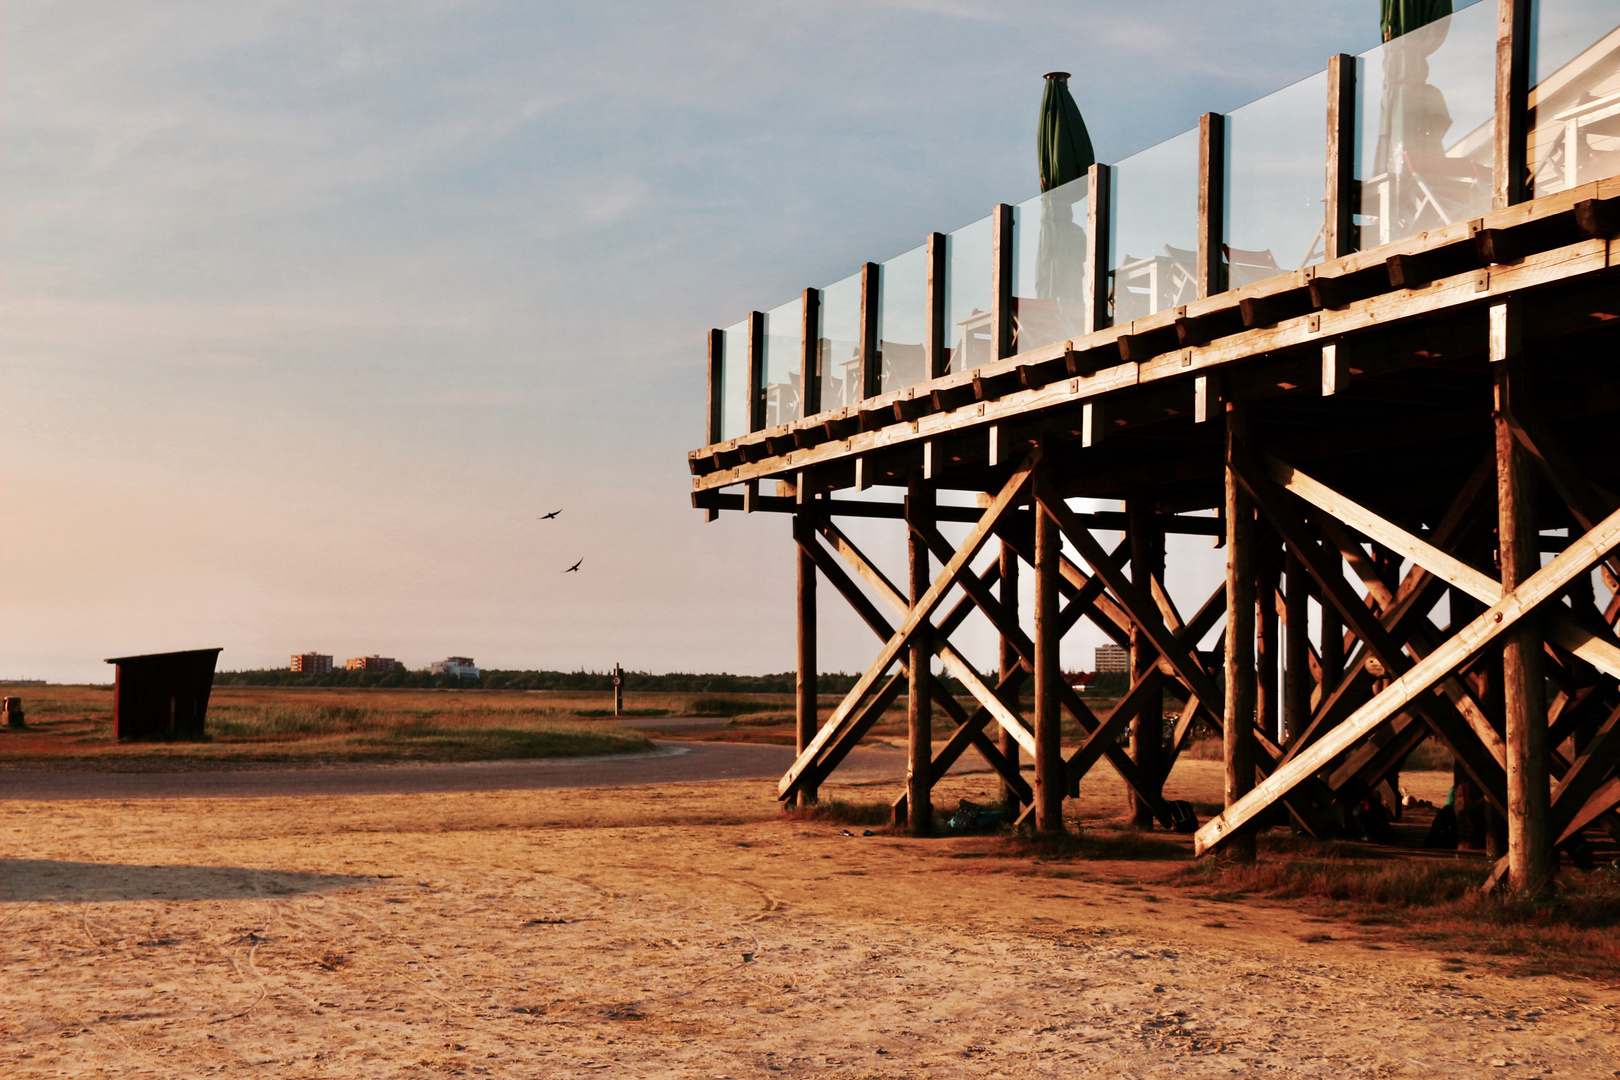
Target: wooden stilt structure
pixel 1337 428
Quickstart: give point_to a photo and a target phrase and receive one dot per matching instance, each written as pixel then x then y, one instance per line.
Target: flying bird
pixel 574 568
pixel 548 517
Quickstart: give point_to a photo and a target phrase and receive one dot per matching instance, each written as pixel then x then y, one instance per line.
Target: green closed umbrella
pixel 1404 16
pixel 1065 154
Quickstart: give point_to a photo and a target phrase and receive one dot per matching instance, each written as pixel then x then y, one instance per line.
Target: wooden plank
pixel 1339 228
pixel 805 699
pixel 1237 714
pixel 920 707
pixel 1297 648
pixel 1600 802
pixel 1210 270
pixel 1147 723
pixel 1582 779
pixel 921 611
pixel 1099 251
pixel 1509 169
pixel 1050 782
pixel 810 354
pixel 1001 271
pixel 831 754
pixel 756 371
pixel 871 373
pixel 1595 650
pixel 1011 674
pixel 955 664
pixel 935 336
pixel 1500 617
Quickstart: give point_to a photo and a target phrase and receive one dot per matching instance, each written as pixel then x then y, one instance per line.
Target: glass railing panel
pixel 784 333
pixel 1049 266
pixel 1276 184
pixel 839 348
pixel 734 381
pixel 967 297
pixel 1574 93
pixel 902 311
pixel 1155 229
pixel 1425 120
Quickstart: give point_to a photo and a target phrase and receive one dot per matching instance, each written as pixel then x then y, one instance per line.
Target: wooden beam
pixel 1509 170
pixel 1297 648
pixel 1001 272
pixel 920 612
pixel 1545 584
pixel 871 373
pixel 1267 654
pixel 1340 225
pixel 1050 783
pixel 1099 216
pixel 1524 689
pixel 1210 272
pixel 920 708
pixel 936 338
pixel 1237 721
pixel 1147 723
pixel 756 370
pixel 805 699
pixel 1011 673
pixel 810 355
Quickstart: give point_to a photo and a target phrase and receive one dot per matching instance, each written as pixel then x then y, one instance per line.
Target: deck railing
pixel 1494 104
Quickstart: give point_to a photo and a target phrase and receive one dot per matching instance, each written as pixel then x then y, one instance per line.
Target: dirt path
pixel 689 931
pixel 674 763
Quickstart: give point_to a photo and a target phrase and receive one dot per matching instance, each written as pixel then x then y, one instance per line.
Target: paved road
pixel 671 763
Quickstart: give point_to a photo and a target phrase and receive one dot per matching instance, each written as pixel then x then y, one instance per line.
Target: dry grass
pixel 1430 898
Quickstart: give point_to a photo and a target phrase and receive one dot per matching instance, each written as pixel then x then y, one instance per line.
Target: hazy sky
pixel 311 308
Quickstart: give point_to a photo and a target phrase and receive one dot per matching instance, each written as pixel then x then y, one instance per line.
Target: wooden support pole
pixel 936 357
pixel 1001 272
pixel 1211 269
pixel 1340 227
pixel 756 370
pixel 1509 168
pixel 810 355
pixel 920 705
pixel 805 686
pixel 1147 726
pixel 1010 670
pixel 716 395
pixel 1049 764
pixel 1237 732
pixel 1099 207
pixel 1267 647
pixel 871 361
pixel 1524 691
pixel 1297 646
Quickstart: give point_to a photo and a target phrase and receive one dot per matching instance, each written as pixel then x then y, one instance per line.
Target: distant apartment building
pixel 311 663
pixel 371 663
pixel 462 667
pixel 1112 658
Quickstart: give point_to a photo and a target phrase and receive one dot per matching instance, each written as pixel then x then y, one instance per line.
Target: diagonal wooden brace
pixel 926 604
pixel 1543 585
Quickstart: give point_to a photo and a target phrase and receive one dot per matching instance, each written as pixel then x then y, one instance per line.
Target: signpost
pixel 618 689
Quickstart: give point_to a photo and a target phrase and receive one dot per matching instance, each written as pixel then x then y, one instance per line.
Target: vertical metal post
pixel 1147 726
pixel 1211 269
pixel 1010 670
pixel 1237 720
pixel 1099 217
pixel 805 699
pixel 1524 691
pixel 920 707
pixel 1001 271
pixel 936 354
pixel 756 370
pixel 1510 170
pixel 1050 782
pixel 810 355
pixel 1339 237
pixel 871 359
